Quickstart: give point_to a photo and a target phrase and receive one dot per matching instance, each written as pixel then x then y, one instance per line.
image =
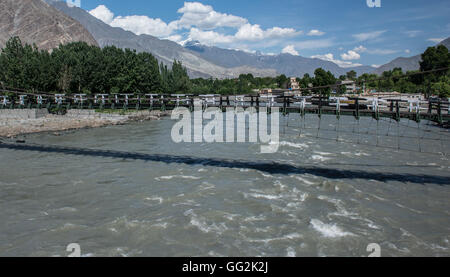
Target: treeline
pixel 247 83
pixel 79 68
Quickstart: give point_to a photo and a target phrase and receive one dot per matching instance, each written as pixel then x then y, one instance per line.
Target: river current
pixel 153 197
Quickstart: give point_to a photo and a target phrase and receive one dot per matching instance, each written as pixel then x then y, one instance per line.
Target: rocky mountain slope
pixel 34 21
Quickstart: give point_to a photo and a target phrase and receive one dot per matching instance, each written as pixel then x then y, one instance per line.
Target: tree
pixel 442 87
pixel 12 63
pixel 434 58
pixel 351 75
pixel 282 81
pixel 179 81
pixel 323 78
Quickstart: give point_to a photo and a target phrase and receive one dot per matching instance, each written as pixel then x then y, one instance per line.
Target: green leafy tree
pixel 323 78
pixel 179 81
pixel 351 75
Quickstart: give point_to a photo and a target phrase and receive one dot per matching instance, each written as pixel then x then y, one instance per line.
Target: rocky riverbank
pixel 11 126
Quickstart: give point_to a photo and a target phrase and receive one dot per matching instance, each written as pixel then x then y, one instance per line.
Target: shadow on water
pixel 268 167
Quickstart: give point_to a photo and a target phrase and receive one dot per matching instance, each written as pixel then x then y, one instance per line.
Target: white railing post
pixel 79 98
pixel 4 100
pixel 375 107
pixel 302 103
pixel 22 100
pixel 59 98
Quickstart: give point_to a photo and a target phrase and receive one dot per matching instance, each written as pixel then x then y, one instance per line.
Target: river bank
pixel 15 124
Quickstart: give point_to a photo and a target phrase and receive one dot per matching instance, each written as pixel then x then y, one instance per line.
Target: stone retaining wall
pixel 22 113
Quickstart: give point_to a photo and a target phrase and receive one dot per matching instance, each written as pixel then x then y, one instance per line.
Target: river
pixel 314 197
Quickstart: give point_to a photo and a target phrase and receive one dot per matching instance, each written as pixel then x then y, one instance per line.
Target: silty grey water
pixel 314 197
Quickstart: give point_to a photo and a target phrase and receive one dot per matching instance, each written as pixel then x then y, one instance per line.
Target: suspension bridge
pixel 382 112
pixel 435 110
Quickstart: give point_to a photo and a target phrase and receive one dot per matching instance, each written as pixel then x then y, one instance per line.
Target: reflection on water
pixel 130 191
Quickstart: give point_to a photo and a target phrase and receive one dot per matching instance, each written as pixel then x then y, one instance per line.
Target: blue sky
pixel 347 32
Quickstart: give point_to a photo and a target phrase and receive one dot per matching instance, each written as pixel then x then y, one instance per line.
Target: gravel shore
pixel 74 119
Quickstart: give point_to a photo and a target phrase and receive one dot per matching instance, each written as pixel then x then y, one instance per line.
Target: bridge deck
pixel 433 110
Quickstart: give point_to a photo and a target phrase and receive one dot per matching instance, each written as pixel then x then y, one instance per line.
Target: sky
pixel 347 32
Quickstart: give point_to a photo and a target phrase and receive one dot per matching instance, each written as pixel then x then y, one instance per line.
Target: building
pixel 293 85
pixel 350 86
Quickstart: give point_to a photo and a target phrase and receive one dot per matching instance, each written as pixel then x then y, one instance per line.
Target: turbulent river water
pixel 149 196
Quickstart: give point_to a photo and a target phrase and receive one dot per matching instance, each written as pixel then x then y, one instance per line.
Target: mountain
pixel 202 61
pixel 34 21
pixel 283 63
pixel 407 64
pixel 164 50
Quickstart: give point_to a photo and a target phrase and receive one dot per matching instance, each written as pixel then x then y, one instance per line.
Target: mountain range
pixel 200 60
pixel 287 64
pixel 164 50
pixel 51 22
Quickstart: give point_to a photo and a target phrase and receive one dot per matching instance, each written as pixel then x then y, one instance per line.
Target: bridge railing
pixel 433 109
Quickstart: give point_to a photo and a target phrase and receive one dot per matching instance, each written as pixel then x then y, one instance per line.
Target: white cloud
pixel 138 24
pixel 195 7
pixel 290 49
pixel 202 22
pixel 254 32
pixel 175 38
pixel 316 33
pixel 407 51
pixel 103 13
pixel 350 55
pixel 436 40
pixel 247 33
pixel 368 36
pixel 360 49
pixel 250 32
pixel 141 24
pixel 204 17
pixel 210 37
pixel 330 57
pixel 375 65
pixel 276 32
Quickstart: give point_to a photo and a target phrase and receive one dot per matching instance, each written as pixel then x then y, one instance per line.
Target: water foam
pixel 265 196
pixel 202 225
pixel 170 177
pixel 303 180
pixel 291 252
pixel 320 158
pixel 155 198
pixel 294 145
pixel 329 230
